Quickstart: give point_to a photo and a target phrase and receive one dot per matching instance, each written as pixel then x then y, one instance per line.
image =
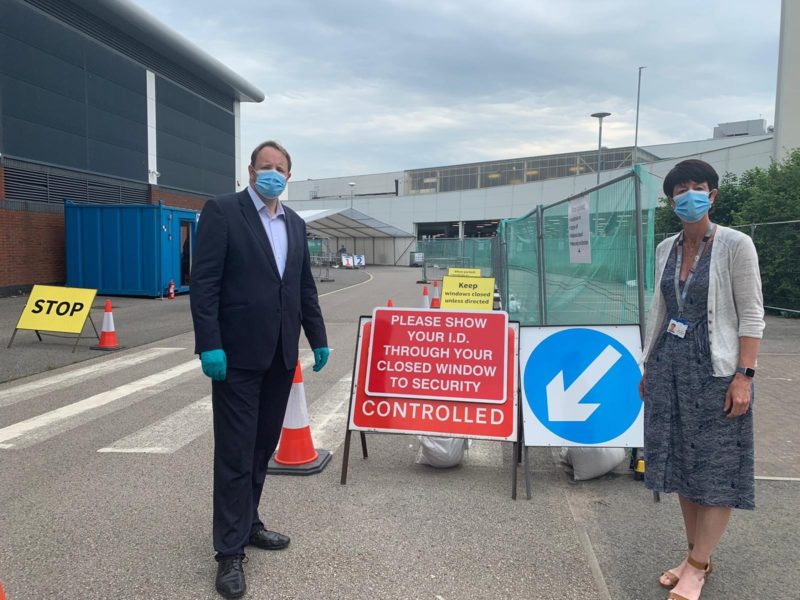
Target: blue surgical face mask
pixel 692 205
pixel 270 184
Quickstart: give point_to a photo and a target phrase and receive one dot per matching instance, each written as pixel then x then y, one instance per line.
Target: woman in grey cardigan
pixel 702 339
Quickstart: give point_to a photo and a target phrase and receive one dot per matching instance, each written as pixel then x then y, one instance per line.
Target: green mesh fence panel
pixel 471 253
pixel 603 291
pixel 520 289
pixel 315 247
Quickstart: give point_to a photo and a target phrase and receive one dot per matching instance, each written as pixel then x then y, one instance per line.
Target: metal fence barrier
pixel 778 247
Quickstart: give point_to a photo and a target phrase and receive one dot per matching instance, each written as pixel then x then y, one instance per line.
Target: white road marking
pixel 328 415
pixel 24 391
pixel 56 421
pixel 170 433
pixel 349 287
pixel 175 431
pixel 767 478
pixel 306 359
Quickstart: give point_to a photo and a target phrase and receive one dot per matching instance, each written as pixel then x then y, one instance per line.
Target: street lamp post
pixel 600 116
pixel 636 130
pixel 352 185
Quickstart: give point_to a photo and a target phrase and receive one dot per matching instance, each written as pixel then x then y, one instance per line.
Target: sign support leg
pixel 527 467
pixel 13 335
pixel 345 457
pixel 97 335
pixel 78 339
pixel 364 444
pixel 514 452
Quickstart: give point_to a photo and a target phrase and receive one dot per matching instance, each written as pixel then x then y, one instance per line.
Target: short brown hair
pixel 270 144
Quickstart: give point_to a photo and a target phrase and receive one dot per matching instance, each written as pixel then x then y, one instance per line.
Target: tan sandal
pixel 705 567
pixel 674 579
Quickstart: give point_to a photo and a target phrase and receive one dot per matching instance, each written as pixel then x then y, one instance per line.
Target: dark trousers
pixel 249 407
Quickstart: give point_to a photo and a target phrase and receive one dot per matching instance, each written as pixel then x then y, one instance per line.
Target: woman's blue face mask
pixel 692 205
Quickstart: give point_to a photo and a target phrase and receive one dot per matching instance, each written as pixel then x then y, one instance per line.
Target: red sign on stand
pixel 438 355
pixel 472 417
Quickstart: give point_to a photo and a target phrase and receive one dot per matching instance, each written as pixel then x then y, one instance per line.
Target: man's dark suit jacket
pixel 239 301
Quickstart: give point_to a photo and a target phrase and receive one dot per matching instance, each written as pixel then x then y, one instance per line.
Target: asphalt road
pixel 105 479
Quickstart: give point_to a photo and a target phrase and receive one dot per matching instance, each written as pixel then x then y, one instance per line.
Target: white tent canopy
pixel 380 243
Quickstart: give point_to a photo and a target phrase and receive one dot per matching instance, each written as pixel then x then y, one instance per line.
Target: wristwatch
pixel 746 371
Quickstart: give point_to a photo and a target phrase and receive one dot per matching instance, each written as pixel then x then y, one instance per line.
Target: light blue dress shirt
pixel 275 228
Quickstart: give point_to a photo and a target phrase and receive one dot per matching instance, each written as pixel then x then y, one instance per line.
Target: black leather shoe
pixel 230 577
pixel 269 540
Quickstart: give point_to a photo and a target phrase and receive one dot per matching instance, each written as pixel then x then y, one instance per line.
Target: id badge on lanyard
pixel 677 326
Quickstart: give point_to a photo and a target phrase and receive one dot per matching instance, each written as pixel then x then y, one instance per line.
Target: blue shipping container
pixel 129 249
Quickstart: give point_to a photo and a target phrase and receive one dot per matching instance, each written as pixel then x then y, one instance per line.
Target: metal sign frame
pixel 517 454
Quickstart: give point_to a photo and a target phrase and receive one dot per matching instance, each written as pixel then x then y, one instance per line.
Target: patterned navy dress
pixel 691 447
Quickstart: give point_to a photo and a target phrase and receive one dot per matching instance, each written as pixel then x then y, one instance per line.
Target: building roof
pixel 146 29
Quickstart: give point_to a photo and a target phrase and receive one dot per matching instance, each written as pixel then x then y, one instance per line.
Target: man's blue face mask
pixel 270 184
pixel 692 205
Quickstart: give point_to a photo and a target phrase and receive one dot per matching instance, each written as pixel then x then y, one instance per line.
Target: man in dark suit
pixel 251 291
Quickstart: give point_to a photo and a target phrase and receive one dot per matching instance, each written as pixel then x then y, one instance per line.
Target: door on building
pixel 187 242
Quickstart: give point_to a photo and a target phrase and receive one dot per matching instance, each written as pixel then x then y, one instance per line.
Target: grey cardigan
pixel 735 303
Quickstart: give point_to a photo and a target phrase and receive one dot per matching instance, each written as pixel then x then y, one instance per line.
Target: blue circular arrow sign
pixel 582 385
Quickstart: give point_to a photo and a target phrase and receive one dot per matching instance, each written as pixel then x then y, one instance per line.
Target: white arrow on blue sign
pixel 580 386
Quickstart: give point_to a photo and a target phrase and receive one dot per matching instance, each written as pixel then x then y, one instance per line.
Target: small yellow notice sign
pixel 472 293
pixel 52 308
pixel 461 272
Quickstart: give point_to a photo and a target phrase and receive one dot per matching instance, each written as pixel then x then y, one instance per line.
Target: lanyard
pixel 681 296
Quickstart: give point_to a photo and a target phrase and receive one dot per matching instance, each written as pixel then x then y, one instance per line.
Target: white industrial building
pixel 469 200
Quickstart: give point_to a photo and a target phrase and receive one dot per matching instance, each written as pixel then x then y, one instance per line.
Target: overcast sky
pixel 368 86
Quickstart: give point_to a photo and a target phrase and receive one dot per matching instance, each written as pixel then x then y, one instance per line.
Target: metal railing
pixel 778 247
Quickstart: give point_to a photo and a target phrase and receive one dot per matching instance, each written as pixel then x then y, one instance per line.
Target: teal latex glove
pixel 215 364
pixel 321 358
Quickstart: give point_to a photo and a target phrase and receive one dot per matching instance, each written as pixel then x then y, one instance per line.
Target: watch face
pixel 747 372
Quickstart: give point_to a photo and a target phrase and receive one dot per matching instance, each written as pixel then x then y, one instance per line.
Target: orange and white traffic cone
pixel 296 454
pixel 108 335
pixel 435 302
pixel 426 301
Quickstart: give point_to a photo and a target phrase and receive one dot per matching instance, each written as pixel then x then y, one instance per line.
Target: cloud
pixel 358 86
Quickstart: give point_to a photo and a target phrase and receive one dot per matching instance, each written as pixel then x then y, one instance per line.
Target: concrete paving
pixel 137 321
pixel 79 523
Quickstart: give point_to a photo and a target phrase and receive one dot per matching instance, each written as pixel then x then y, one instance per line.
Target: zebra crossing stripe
pixel 187 424
pixel 51 423
pixel 170 433
pixel 164 437
pixel 306 359
pixel 25 391
pixel 328 415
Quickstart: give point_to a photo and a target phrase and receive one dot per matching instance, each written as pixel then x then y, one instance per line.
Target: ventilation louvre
pixel 106 34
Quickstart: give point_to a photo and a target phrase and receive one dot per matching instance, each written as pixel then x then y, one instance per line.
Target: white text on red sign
pixel 442 355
